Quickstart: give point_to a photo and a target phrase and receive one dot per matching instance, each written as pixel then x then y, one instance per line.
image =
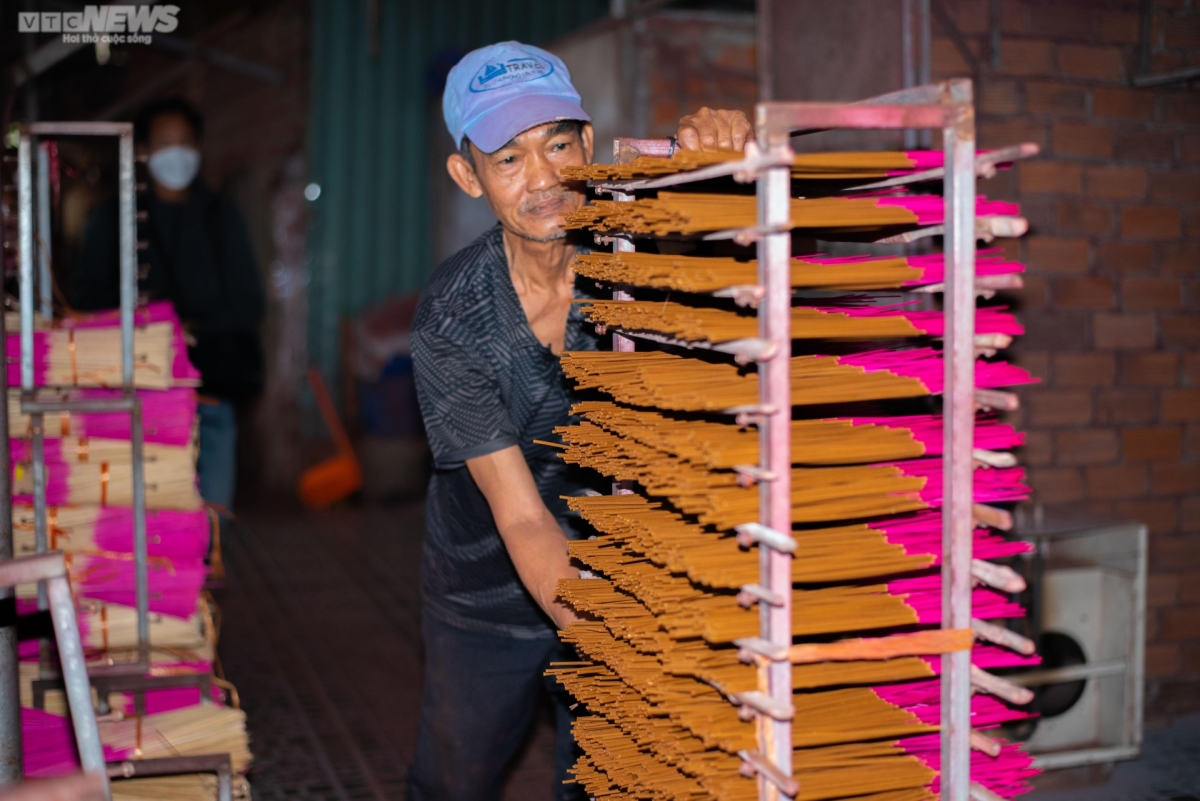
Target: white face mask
pixel 175 167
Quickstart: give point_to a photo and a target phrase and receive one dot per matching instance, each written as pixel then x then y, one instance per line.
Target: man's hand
pixel 714 130
pixel 534 540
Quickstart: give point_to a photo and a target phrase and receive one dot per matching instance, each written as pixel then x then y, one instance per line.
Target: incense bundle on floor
pixel 168 416
pixel 695 213
pixel 107 628
pixel 91 357
pixel 170 534
pixel 174 585
pixel 866 164
pixel 853 440
pixel 710 273
pixel 693 323
pixel 666 381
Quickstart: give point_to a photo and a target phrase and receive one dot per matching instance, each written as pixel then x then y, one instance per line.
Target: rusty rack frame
pixel 948 107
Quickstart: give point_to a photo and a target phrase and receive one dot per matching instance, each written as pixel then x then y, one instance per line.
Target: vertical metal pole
pixel 44 233
pixel 925 64
pixel 766 66
pixel 959 416
pixel 775 502
pixel 128 299
pixel 25 253
pixel 11 769
pixel 909 57
pixel 75 678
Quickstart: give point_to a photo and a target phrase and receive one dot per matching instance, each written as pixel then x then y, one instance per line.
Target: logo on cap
pixel 504 73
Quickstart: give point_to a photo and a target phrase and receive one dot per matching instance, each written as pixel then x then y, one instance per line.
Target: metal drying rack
pixel 130 677
pixel 947 107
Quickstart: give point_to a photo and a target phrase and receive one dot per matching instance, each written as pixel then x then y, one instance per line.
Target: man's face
pixel 522 180
pixel 169 130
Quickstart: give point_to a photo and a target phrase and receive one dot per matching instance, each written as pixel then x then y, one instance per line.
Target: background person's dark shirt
pixel 485 383
pixel 201 260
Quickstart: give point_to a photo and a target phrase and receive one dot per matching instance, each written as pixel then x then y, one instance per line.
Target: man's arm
pixel 535 542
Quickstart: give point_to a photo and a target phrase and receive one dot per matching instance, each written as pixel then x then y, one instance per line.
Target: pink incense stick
pixel 174 586
pixel 1006 774
pixel 926 366
pixel 927 429
pixel 992 485
pixel 159 311
pixel 921 533
pixel 988 320
pixel 923 595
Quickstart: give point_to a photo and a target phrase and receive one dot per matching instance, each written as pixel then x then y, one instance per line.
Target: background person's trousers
pixel 480 696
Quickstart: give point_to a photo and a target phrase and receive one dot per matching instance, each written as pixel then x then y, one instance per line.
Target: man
pixel 200 259
pixel 486 340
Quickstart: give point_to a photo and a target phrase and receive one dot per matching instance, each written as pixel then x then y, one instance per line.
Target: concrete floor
pixel 321 636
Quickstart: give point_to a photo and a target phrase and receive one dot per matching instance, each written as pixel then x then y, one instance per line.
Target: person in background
pixel 200 259
pixel 487 337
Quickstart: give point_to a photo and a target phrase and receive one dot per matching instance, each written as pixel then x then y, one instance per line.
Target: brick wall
pixel 1112 297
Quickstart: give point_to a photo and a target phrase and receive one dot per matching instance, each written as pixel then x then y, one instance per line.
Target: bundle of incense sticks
pixel 170 480
pixel 91 357
pixel 808 322
pixel 695 213
pixel 162 663
pixel 711 274
pixel 170 534
pixel 174 585
pixel 168 416
pixel 108 628
pixel 851 440
pixel 882 547
pixel 867 164
pixel 667 381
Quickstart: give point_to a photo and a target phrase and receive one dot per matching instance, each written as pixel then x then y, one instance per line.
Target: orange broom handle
pixel 329 412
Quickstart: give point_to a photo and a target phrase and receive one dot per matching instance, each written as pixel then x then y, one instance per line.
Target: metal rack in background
pixel 947 107
pixel 37 402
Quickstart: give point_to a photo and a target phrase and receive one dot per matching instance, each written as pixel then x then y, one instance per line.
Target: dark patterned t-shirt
pixel 485 383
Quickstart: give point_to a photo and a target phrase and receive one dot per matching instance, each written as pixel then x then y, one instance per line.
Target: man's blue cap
pixel 498 91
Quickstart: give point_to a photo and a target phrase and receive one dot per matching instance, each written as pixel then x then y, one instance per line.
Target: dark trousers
pixel 480 696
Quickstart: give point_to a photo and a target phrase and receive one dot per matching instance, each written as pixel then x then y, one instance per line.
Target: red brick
pixel 1180 258
pixel 1086 446
pixel 1180 623
pixel 1117 183
pixel 1151 443
pixel 1181 331
pixel 1013 14
pixel 1056 484
pixel 1053 97
pixel 1150 222
pixel 1150 369
pixel 1189 148
pixel 1005 133
pixel 1083 139
pixel 1055 256
pixel 1174 479
pixel 1091 62
pixel 1083 369
pixel 1191 369
pixel 1118 406
pixel 1183 33
pixel 1191 657
pixel 1038 448
pixel 1162 589
pixel 1170 552
pixel 1180 405
pixel 1083 216
pixel 1119 27
pixel 1124 104
pixel 1124 257
pixel 1060 329
pixel 1180 108
pixel 1175 187
pixel 1189 513
pixel 970 16
pixel 1084 293
pixel 1189 587
pixel 1034 295
pixel 1050 176
pixel 1191 222
pixel 946 60
pixel 1116 483
pixel 1145 146
pixel 1150 294
pixel 1026 57
pixel 1059 408
pixel 1192 447
pixel 1159 517
pixel 1057 21
pixel 1162 660
pixel 999 97
pixel 1123 331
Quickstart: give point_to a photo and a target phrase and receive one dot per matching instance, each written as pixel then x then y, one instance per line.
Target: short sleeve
pixel 460 400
